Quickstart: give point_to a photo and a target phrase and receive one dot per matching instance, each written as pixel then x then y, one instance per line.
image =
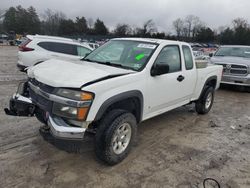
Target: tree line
pixel 190 28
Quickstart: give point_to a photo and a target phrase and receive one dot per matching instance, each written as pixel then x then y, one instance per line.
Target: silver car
pixel 236 64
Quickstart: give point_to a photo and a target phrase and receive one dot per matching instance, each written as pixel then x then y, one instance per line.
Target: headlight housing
pixel 70 112
pixel 74 95
pixel 73 112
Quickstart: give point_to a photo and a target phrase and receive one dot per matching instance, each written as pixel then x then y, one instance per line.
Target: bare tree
pixel 52 21
pixel 178 25
pixel 240 22
pixel 122 30
pixel 90 22
pixel 2 13
pixel 193 24
pixel 149 27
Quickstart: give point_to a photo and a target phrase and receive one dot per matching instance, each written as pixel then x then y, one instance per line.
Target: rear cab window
pixel 188 58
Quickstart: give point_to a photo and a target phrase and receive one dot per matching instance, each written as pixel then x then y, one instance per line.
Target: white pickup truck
pixel 117 86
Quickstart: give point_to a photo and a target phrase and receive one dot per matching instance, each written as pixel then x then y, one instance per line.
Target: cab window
pixel 170 55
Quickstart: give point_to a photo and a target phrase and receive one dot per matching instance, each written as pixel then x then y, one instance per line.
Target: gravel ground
pixel 177 149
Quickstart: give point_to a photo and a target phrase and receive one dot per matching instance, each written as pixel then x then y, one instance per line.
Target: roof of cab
pixel 153 40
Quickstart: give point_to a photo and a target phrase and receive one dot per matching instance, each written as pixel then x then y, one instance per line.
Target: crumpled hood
pixel 231 60
pixel 59 73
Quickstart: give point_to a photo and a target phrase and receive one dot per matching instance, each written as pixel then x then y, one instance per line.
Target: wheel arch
pixel 131 101
pixel 211 81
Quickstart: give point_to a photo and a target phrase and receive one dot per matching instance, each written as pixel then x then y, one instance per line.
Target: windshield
pixel 234 51
pixel 123 53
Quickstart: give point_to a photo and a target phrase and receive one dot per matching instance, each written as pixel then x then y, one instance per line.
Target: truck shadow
pixel 70 146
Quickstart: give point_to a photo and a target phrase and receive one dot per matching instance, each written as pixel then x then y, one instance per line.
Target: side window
pixel 188 57
pixel 59 47
pixel 44 45
pixel 170 55
pixel 64 48
pixel 81 51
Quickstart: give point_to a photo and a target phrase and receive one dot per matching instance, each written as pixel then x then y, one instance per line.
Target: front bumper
pixel 236 80
pixel 62 130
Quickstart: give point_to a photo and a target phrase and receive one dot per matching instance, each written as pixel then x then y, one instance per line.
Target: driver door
pixel 166 90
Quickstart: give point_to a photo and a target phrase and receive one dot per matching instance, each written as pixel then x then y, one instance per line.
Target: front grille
pixel 39 100
pixel 238 71
pixel 235 69
pixel 42 86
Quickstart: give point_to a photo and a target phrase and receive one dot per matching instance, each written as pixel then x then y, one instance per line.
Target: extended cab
pixel 117 86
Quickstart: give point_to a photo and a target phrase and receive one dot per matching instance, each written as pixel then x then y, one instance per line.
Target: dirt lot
pixel 177 149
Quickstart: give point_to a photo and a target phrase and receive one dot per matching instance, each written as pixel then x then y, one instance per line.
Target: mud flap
pixel 20 104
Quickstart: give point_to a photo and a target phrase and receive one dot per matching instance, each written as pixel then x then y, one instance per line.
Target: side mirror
pixel 159 69
pixel 211 54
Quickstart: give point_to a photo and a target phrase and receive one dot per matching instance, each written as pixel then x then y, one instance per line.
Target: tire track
pixel 12 77
pixel 17 143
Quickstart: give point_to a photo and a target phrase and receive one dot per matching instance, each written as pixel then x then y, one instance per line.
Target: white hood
pixel 59 73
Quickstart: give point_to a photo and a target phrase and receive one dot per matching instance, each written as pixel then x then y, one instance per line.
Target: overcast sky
pixel 214 13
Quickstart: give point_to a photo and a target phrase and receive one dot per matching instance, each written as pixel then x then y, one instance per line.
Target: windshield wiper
pixel 109 64
pixel 118 65
pixel 113 64
pixel 89 60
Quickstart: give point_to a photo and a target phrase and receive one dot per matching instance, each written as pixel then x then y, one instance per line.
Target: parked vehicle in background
pixel 236 64
pixel 38 48
pixel 93 45
pixel 119 85
pixel 12 38
pixel 20 40
pixel 201 51
pixel 3 38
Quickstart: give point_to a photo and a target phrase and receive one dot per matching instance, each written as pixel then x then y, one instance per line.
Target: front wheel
pixel 204 104
pixel 115 136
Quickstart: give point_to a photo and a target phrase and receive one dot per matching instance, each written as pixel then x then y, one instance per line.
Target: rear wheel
pixel 115 136
pixel 204 104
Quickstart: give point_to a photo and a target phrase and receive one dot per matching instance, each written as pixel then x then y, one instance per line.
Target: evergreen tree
pixel 100 28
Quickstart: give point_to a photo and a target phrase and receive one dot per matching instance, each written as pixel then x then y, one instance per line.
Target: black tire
pixel 105 132
pixel 200 105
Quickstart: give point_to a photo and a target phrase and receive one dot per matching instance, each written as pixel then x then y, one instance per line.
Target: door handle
pixel 180 78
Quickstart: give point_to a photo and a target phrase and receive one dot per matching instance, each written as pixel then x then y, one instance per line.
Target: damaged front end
pixel 62 111
pixel 20 104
